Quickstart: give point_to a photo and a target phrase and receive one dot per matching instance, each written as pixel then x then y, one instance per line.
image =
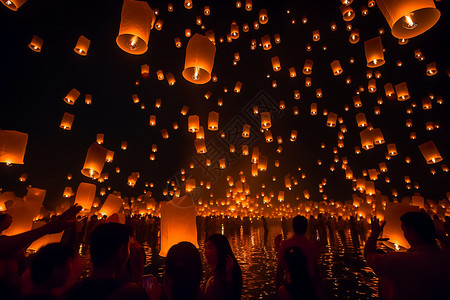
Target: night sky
pixel 33 86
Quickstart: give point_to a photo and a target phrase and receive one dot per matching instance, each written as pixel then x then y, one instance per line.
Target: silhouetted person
pixel 308 247
pixel 299 284
pixel 225 280
pixel 340 227
pixel 354 232
pixel 182 274
pixel 420 273
pixel 266 229
pixel 284 227
pixel 110 250
pixel 50 269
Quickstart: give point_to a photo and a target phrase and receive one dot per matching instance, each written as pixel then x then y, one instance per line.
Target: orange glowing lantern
pixel 246 131
pixel 268 136
pixel 72 96
pixel 100 138
pixel 265 120
pixel 409 18
pixel 307 67
pixel 374 52
pixel 276 64
pixel 430 152
pixel 199 60
pixel 263 19
pixel 401 90
pixel 331 120
pixel 36 43
pixel 366 139
pixel 137 20
pixel 431 69
pixel 94 162
pixel 392 149
pixel 193 123
pixel 361 120
pixel 213 121
pixel 336 67
pixel 66 122
pixel 82 46
pixel 12 146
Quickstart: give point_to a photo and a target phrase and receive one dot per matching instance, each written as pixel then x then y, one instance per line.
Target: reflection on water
pixel 342 264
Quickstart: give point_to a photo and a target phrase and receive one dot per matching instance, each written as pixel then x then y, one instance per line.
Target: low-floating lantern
pixel 401 90
pixel 430 152
pixel 94 162
pixel 72 96
pixel 82 46
pixel 66 122
pixel 265 120
pixel 12 146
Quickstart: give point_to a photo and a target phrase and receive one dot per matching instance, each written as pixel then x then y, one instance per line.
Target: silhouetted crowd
pixel 118 258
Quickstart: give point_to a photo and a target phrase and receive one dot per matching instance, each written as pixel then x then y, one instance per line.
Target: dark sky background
pixel 33 86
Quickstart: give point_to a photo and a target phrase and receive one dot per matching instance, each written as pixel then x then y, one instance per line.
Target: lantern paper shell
pixel 36 43
pixel 374 52
pixel 85 195
pixel 82 45
pixel 72 96
pixel 430 152
pixel 366 139
pixel 94 162
pixel 401 90
pixel 213 121
pixel 13 4
pixel 276 66
pixel 199 61
pixel 24 211
pixel 336 67
pixel 111 206
pixel 66 122
pixel 178 223
pixel 137 20
pixel 265 120
pixel 12 146
pixel 193 123
pixel 200 146
pixel 409 18
pixel 347 13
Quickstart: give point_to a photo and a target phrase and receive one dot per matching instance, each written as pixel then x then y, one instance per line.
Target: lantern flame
pixel 196 73
pixel 408 22
pixel 133 42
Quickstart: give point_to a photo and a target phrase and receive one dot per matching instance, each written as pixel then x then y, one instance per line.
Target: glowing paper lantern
pixel 178 223
pixel 36 43
pixel 137 19
pixel 263 19
pixel 392 229
pixel 430 152
pixel 200 146
pixel 94 162
pixel 331 120
pixel 392 149
pixel 82 45
pixel 66 122
pixel 199 59
pixel 276 66
pixel 13 4
pixel 361 120
pixel 265 120
pixel 193 123
pixel 145 71
pixel 401 90
pixel 72 96
pixel 409 18
pixel 336 67
pixel 12 146
pixel 213 121
pixel 366 139
pixel 307 67
pixel 246 131
pixel 111 205
pixel 85 195
pixel 374 52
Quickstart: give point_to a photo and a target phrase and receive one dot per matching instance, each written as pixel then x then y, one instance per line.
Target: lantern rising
pixel 199 60
pixel 12 146
pixel 137 20
pixel 409 18
pixel 94 162
pixel 430 152
pixel 374 52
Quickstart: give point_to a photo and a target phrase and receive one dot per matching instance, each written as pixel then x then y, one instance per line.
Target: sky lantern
pixel 374 52
pixel 136 21
pixel 263 18
pixel 366 139
pixel 389 90
pixel 316 35
pixel 377 136
pixel 409 18
pixel 276 66
pixel 392 229
pixel 170 79
pixel 111 205
pixel 430 152
pixel 262 163
pixel 188 4
pixel 372 86
pixel 200 134
pixel 82 45
pixel 100 138
pixel 401 90
pixel 199 59
pixel 248 5
pixel 237 87
pixel 12 146
pixel 145 71
pixel 331 120
pixel 268 136
pixel 159 24
pixel 336 67
pixel 200 146
pixel 361 120
pixel 36 43
pixel 66 122
pixel 313 109
pixel 23 177
pixel 392 149
pixel 431 69
pixel 293 137
pixel 246 130
pixel 193 123
pixel 72 96
pixel 307 67
pixel 347 13
pixel 266 122
pixel 234 30
pixel 357 101
pixel 265 41
pixel 13 4
pixel 178 223
pixel 132 179
pixel 213 121
pixel 94 162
